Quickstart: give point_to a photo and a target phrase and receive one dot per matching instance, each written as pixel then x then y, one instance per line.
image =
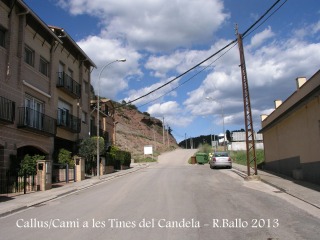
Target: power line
pixel 248 33
pixel 190 78
pixel 259 19
pixel 174 79
pixel 211 56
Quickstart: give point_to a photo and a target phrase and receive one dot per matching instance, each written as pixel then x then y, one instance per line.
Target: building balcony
pixel 69 122
pixel 7 110
pixel 36 121
pixel 93 131
pixel 68 85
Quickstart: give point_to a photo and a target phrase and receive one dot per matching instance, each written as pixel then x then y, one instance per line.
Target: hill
pixel 134 130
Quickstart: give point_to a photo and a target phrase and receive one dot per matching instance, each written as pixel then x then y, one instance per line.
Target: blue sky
pixel 163 38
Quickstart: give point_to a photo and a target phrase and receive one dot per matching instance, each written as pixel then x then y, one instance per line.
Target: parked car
pixel 220 159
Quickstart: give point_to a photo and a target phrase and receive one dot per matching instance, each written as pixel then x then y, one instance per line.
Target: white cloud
pixel 137 93
pixel 167 108
pixel 115 77
pixel 170 31
pixel 271 71
pixel 307 30
pixel 154 25
pixel 261 37
pixel 171 112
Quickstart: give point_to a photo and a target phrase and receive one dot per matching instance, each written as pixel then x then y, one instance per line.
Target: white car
pixel 220 159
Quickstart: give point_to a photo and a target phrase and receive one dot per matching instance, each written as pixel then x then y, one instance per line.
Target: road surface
pixel 169 200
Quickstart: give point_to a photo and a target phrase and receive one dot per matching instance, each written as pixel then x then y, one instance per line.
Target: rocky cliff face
pixel 134 130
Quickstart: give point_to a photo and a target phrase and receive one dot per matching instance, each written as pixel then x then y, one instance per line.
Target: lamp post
pixel 224 134
pixel 98 114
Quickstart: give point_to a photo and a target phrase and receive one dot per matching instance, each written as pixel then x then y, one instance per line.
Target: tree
pixel 88 150
pixel 92 93
pixel 64 157
pixel 28 164
pixel 228 135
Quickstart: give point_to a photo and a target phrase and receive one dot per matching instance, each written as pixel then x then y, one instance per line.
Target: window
pixel 60 74
pixel 84 117
pixel 106 109
pixel 2 37
pixel 64 110
pixel 86 87
pixel 69 83
pixel 34 109
pixel 29 56
pixel 43 66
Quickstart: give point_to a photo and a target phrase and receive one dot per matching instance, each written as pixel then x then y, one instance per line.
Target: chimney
pixel 277 103
pixel 300 81
pixel 263 117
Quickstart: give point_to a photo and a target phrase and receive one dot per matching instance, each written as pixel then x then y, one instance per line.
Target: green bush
pixel 110 159
pixel 205 148
pixel 123 157
pixel 145 159
pixel 64 157
pixel 29 164
pixel 240 157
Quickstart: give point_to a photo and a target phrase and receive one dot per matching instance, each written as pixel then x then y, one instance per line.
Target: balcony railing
pixel 68 85
pixel 36 121
pixel 68 121
pixel 93 131
pixel 7 110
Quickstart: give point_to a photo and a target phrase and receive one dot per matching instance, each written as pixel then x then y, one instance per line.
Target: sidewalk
pixel 11 204
pixel 307 192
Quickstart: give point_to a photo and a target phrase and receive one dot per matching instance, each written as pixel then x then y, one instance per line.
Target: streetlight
pixel 224 134
pixel 98 113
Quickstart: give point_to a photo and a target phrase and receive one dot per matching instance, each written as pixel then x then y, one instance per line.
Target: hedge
pixel 117 155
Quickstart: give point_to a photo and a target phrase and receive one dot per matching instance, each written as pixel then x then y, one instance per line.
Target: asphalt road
pixel 169 200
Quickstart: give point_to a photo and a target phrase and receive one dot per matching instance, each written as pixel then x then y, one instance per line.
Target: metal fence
pixel 62 173
pixel 13 182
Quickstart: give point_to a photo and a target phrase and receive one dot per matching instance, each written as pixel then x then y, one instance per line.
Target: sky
pixel 161 39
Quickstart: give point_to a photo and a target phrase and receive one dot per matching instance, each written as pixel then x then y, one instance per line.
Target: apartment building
pixel 291 132
pixel 44 87
pixel 106 121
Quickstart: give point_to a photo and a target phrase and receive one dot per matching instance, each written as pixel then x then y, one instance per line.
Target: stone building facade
pixel 44 87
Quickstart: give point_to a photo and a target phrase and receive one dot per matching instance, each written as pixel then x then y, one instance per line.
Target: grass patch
pixel 240 157
pixel 143 160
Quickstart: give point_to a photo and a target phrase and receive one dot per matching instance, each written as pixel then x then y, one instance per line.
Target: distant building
pixel 238 141
pixel 107 122
pixel 44 88
pixel 292 133
pixel 241 136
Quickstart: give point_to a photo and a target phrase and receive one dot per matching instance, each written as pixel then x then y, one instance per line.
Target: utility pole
pixel 163 130
pixel 154 139
pixel 168 136
pixel 250 142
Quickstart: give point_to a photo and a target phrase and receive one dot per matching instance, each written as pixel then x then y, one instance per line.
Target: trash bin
pixel 202 158
pixel 193 160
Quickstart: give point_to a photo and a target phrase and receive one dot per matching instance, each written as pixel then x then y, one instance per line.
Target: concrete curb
pixel 292 189
pixel 65 190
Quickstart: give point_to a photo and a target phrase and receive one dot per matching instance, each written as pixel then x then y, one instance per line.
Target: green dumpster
pixel 202 158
